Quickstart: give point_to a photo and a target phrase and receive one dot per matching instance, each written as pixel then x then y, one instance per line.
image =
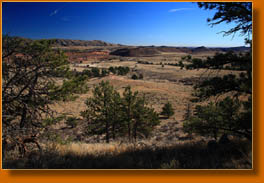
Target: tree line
pixel 97 72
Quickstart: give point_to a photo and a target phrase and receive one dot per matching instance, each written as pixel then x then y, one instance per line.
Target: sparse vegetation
pixel 145 62
pixel 148 107
pixel 119 70
pixel 134 156
pixel 72 121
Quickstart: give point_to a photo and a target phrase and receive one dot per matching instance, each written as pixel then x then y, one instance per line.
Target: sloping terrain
pixel 152 50
pixel 70 42
pixel 134 52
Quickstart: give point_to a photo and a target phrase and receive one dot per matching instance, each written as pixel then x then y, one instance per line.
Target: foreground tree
pixel 29 87
pixel 239 13
pixel 99 110
pixel 222 117
pixel 129 101
pixel 145 119
pixel 107 113
pixel 139 118
pixel 117 116
pixel 231 112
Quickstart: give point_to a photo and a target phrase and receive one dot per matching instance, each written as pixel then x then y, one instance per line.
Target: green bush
pixel 71 121
pixel 167 110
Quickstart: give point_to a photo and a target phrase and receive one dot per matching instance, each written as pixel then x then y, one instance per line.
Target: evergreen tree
pixel 107 113
pixel 95 72
pixel 99 110
pixel 231 115
pixel 112 69
pixel 223 117
pixel 140 119
pixel 188 112
pixel 239 13
pixel 71 121
pixel 129 101
pixel 104 73
pixel 29 87
pixel 117 116
pixel 167 110
pixel 181 64
pixel 145 119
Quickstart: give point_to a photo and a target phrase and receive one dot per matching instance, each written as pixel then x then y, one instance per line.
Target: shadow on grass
pixel 236 155
pixel 163 117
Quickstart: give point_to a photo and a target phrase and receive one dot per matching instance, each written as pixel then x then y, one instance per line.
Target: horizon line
pixel 138 45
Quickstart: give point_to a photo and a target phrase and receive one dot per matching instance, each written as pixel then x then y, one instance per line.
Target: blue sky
pixel 130 23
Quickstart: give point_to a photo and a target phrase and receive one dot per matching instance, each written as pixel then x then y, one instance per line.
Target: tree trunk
pixel 113 126
pixel 129 121
pixel 135 132
pixel 129 130
pixel 107 131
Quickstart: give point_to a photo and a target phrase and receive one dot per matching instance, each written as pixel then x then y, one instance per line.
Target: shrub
pixel 167 110
pixel 95 72
pixel 134 76
pixel 71 121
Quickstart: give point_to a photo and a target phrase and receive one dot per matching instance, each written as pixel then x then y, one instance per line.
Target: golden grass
pixel 96 149
pixel 164 149
pixel 194 155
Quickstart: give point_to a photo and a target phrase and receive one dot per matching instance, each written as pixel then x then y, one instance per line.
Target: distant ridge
pixel 124 50
pixel 153 50
pixel 134 52
pixel 70 42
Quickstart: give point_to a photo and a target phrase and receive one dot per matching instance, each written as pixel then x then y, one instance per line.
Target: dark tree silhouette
pixel 227 12
pixel 29 86
pixel 232 114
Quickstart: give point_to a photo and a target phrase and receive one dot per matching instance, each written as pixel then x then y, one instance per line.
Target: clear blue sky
pixel 133 23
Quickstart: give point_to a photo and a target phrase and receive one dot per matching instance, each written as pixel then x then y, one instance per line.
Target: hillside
pixel 153 50
pixel 70 42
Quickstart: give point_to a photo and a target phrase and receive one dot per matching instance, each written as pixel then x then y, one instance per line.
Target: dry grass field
pixel 143 155
pixel 168 146
pixel 127 86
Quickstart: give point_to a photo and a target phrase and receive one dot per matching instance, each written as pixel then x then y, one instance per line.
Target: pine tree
pixel 167 110
pixel 129 101
pixel 29 87
pixel 231 115
pixel 98 112
pixel 117 116
pixel 108 113
pixel 145 119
